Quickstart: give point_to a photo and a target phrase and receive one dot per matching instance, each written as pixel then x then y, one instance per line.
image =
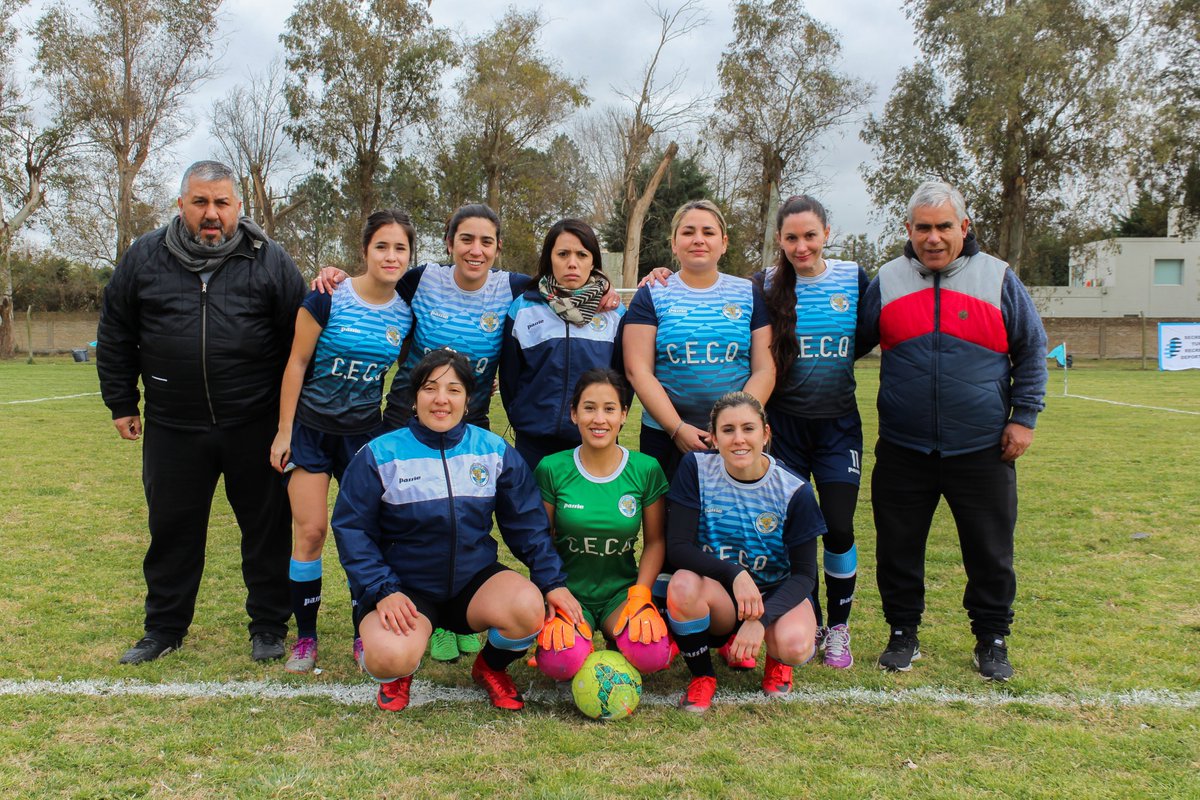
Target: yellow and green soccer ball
pixel 607 686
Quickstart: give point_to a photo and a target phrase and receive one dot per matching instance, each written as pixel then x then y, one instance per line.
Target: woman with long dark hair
pixel 812 303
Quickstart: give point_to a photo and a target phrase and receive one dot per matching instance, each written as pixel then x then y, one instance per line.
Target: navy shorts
pixel 823 450
pixel 316 451
pixel 451 614
pixel 719 639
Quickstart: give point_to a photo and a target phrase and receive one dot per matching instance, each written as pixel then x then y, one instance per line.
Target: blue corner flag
pixel 1059 354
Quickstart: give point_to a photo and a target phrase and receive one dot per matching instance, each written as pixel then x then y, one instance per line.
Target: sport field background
pixel 1106 646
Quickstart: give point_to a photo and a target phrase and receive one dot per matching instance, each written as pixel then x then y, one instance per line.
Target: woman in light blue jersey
pixel 741 532
pixel 329 403
pixel 812 303
pixel 688 342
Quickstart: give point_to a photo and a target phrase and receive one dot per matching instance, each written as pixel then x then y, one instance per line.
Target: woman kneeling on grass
pixel 598 496
pixel 742 532
pixel 413 527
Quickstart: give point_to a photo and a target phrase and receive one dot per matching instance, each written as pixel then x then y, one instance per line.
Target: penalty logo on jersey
pixel 732 312
pixel 766 522
pixel 627 505
pixel 393 336
pixel 479 474
pixel 839 302
pixel 489 322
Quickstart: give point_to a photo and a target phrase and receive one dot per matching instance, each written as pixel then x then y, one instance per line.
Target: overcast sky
pixel 606 43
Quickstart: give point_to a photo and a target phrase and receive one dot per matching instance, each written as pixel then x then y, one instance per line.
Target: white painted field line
pixel 45 399
pixel 425 692
pixel 1132 405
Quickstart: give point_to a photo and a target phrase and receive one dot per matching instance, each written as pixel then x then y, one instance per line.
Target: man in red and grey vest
pixel 962 379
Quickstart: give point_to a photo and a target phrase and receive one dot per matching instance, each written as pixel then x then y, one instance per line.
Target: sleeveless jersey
pixel 359 341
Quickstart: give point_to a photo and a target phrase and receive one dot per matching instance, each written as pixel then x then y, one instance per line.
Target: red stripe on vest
pixel 973 320
pixel 906 318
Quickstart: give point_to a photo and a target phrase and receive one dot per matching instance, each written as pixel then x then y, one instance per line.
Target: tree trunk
pixel 264 214
pixel 125 175
pixel 492 171
pixel 768 240
pixel 636 215
pixel 7 342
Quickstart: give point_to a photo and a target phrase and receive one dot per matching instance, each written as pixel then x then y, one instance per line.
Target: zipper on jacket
pixel 204 346
pixel 453 521
pixel 562 406
pixel 937 358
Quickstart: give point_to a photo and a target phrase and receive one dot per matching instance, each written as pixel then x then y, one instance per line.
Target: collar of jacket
pixel 970 248
pixel 434 439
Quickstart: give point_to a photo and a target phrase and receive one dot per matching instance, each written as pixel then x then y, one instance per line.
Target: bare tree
pixel 656 108
pixel 124 70
pixel 249 122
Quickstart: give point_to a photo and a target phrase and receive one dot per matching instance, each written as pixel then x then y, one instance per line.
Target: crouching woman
pixel 413 527
pixel 741 532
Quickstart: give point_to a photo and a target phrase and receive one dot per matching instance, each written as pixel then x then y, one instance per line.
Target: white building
pixel 1158 277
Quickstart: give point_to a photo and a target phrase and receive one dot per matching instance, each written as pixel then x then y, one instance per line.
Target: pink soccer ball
pixel 561 665
pixel 646 657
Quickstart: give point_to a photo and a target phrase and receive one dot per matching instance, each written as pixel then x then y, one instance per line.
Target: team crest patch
pixel 732 312
pixel 490 322
pixel 599 323
pixel 393 336
pixel 627 505
pixel 839 302
pixel 479 474
pixel 766 522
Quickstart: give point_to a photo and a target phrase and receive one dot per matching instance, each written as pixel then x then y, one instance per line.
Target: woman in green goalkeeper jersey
pixel 598 496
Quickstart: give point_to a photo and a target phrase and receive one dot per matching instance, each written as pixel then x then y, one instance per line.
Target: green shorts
pixel 596 613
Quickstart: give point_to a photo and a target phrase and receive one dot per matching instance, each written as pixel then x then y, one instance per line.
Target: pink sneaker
pixel 837 648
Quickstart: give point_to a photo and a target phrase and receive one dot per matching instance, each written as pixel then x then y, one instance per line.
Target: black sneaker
pixel 991 659
pixel 902 649
pixel 148 649
pixel 266 647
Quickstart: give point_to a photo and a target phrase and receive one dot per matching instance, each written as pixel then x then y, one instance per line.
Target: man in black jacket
pixel 202 311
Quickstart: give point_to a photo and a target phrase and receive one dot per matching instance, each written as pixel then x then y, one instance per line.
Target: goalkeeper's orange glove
pixel 559 633
pixel 645 623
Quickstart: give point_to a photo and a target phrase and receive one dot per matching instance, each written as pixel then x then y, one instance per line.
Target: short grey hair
pixel 937 193
pixel 208 171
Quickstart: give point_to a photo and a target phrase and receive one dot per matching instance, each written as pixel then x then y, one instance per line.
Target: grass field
pixel 1105 702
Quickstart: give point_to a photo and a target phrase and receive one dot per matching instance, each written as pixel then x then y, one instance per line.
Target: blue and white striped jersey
pixel 702 346
pixel 820 382
pixel 471 323
pixel 755 525
pixel 359 341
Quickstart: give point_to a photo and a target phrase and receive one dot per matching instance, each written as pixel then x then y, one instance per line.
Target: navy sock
pixel 501 651
pixel 306 595
pixel 692 638
pixel 841 576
